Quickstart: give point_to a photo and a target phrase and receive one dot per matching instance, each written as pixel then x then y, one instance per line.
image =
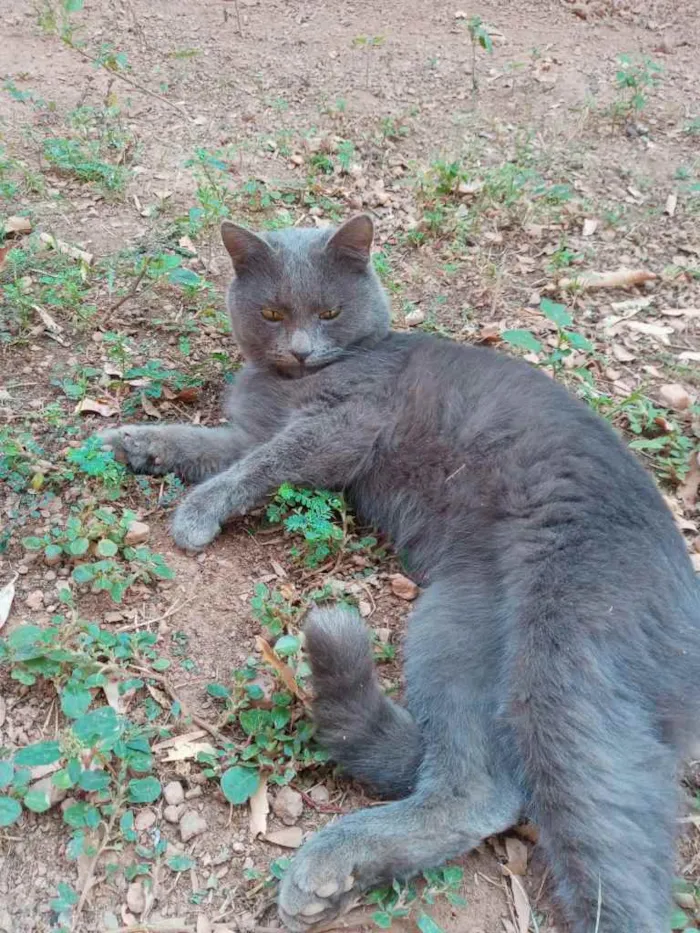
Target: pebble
pixel 403 587
pixel 193 792
pixel 319 794
pixel 414 318
pixel 288 805
pixel 191 825
pixel 174 793
pixel 144 820
pixel 137 533
pixel 136 897
pixel 173 814
pixel 35 600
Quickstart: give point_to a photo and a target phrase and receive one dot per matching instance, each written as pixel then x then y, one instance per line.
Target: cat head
pixel 301 297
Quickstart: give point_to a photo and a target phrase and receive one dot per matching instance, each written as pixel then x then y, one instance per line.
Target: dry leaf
pixel 187 750
pixel 285 672
pixel 53 329
pixel 622 354
pixel 622 278
pixel 7 594
pixel 681 312
pixel 630 306
pixel 17 225
pixel 674 396
pixel 517 855
pixel 671 202
pixel 160 696
pixel 93 406
pixel 402 587
pixel 259 808
pixel 3 711
pixel 521 902
pixel 689 355
pixel 179 739
pixel 114 698
pixel 689 489
pixel 289 838
pixel 149 407
pixel 647 327
pixel 4 250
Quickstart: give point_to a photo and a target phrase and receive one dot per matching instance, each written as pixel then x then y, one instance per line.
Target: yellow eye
pixel 329 315
pixel 272 314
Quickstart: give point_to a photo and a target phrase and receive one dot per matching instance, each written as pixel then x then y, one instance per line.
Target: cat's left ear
pixel 353 240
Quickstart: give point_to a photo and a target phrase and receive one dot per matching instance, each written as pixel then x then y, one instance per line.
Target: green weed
pixel 568 340
pixel 635 78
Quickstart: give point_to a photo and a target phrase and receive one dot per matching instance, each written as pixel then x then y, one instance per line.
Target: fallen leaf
pixel 689 489
pixel 285 672
pixel 93 406
pixel 674 396
pixel 186 243
pixel 647 327
pixel 3 711
pixel 149 407
pixel 17 225
pixel 179 739
pixel 52 328
pixel 689 355
pixel 402 587
pixel 630 306
pixel 622 278
pixel 521 903
pixel 289 838
pixel 590 225
pixel 161 697
pixel 7 594
pixel 259 808
pixel 189 750
pixel 671 202
pixel 681 312
pixel 114 698
pixel 622 354
pixel 4 250
pixel 516 851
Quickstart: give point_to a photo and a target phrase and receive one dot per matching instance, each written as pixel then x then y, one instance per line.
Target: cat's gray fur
pixel 553 661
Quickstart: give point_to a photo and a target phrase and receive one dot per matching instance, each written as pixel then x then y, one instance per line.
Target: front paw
pixel 196 522
pixel 141 447
pixel 319 885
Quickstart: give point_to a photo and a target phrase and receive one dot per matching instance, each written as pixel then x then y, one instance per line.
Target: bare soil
pixel 274 84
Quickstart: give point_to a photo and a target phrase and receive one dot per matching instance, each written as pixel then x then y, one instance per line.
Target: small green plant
pixel 91 459
pixel 100 534
pixel 402 900
pixel 368 44
pixel 84 161
pixel 568 340
pixel 635 78
pixel 273 611
pixel 318 517
pixel 480 38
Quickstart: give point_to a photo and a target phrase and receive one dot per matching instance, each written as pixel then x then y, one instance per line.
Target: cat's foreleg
pixel 193 453
pixel 319 451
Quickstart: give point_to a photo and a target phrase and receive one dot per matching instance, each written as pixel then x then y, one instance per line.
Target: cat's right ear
pixel 245 248
pixel 353 240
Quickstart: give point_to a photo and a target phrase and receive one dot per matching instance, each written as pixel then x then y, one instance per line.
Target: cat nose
pixel 301 354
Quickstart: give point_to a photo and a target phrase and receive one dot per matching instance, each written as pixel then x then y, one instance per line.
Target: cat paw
pixel 318 886
pixel 195 523
pixel 139 446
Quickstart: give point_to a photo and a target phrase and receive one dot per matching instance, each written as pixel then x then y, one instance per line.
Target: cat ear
pixel 354 239
pixel 245 248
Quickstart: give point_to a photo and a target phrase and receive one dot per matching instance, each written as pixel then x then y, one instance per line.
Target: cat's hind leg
pixel 398 840
pixel 193 453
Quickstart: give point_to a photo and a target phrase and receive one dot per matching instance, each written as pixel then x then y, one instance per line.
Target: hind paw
pixel 318 886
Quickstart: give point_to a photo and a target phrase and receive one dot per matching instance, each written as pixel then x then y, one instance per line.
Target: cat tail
pixel 602 791
pixel 370 737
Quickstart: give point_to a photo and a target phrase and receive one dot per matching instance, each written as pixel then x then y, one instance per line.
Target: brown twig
pixel 197 720
pixel 135 84
pixel 90 879
pixel 134 287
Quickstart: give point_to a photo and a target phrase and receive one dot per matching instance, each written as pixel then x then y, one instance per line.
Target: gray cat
pixel 553 661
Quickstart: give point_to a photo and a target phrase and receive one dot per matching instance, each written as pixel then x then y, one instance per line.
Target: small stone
pixel 319 794
pixel 173 814
pixel 288 838
pixel 35 600
pixel 191 825
pixel 137 533
pixel 193 792
pixel 414 318
pixel 174 793
pixel 238 848
pixel 403 587
pixel 136 897
pixel 144 820
pixel 203 924
pixel 296 159
pixel 674 396
pixel 288 805
pixel 54 794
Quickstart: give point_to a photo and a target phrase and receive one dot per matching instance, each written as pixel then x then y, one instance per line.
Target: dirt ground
pixel 493 172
